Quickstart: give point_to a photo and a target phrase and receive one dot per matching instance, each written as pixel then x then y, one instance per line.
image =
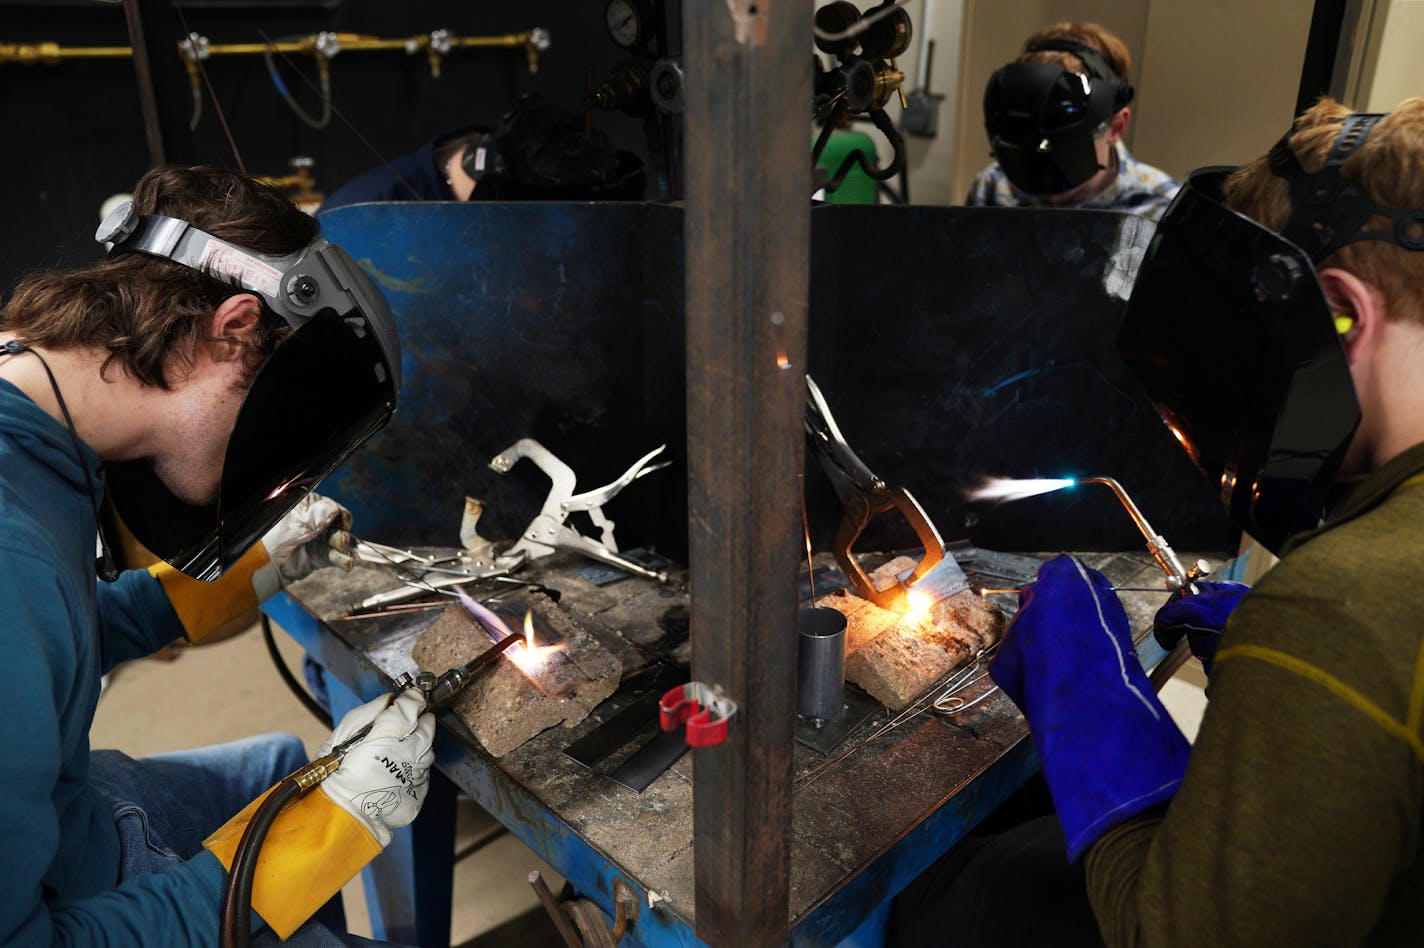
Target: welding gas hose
pixel 235 918
pixel 373 774
pixel 236 911
pixel 892 135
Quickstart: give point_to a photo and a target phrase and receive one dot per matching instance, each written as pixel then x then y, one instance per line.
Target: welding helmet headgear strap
pixel 325 389
pixel 1329 211
pixel 481 157
pixel 1229 331
pixel 1096 64
pixel 1043 120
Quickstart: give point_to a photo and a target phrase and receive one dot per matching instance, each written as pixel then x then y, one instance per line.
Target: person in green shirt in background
pixel 1278 324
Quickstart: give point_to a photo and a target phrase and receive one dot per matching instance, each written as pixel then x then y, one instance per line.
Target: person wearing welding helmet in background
pixel 1055 119
pixel 538 152
pixel 1278 324
pixel 218 364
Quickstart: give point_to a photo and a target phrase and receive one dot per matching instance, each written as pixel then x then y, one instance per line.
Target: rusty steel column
pixel 748 177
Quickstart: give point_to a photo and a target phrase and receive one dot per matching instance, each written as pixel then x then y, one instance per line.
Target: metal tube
pixel 50 53
pixel 555 910
pixel 922 64
pixel 1165 556
pixel 820 663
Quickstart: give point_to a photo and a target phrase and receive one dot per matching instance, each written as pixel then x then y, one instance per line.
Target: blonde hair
pixel 1387 168
pixel 1099 37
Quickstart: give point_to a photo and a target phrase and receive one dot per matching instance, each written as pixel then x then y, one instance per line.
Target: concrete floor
pixel 229 690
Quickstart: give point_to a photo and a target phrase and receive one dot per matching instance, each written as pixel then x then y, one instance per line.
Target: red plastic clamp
pixel 704 709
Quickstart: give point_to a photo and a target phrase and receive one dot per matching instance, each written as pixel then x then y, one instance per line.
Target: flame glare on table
pixel 1001 490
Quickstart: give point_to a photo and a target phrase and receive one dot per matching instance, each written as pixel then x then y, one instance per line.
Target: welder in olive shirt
pixel 1278 324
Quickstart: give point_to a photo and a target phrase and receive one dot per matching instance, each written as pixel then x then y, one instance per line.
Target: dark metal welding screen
pixel 951 342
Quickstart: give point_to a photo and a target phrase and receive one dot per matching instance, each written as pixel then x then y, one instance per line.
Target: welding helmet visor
pixel 327 388
pixel 1230 333
pixel 1043 122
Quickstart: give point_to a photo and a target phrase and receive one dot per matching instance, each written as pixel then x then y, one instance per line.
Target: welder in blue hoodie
pixel 206 375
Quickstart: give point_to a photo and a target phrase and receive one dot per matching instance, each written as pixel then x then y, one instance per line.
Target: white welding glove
pixel 302 542
pixel 383 778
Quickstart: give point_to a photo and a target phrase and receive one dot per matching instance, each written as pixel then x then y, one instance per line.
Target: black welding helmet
pixel 327 388
pixel 1043 120
pixel 1230 332
pixel 540 151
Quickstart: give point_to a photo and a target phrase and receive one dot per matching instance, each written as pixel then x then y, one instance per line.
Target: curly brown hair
pixel 1099 37
pixel 1386 167
pixel 148 314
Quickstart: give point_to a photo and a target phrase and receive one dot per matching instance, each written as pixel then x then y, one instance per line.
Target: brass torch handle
pixel 1165 556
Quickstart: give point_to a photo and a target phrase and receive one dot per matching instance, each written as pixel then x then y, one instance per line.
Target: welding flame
pixel 1002 490
pixel 528 656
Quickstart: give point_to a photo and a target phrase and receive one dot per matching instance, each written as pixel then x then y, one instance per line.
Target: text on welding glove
pixel 384 776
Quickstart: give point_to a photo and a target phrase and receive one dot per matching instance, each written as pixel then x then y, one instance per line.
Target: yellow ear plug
pixel 1344 323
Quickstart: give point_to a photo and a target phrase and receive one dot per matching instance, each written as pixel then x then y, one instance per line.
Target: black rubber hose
pixel 235 918
pixel 310 703
pixel 857 157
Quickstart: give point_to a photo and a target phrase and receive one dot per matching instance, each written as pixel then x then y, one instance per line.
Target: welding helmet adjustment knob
pixel 304 289
pixel 117 225
pixel 1277 278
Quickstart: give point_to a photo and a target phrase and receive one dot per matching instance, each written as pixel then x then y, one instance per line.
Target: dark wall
pixel 73 133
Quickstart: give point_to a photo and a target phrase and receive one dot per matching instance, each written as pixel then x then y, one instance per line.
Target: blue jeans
pixel 167 804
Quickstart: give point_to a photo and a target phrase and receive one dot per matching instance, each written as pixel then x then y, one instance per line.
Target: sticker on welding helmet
pixel 250 273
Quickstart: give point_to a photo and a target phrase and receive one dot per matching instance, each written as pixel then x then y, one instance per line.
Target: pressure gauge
pixel 627 22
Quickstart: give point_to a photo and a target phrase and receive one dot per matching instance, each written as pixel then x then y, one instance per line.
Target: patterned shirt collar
pixel 1138 187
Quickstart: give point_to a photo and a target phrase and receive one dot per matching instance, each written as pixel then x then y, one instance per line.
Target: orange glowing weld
pixel 919 603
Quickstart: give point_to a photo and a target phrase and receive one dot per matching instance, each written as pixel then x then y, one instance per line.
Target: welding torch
pixel 1181 580
pixel 439 691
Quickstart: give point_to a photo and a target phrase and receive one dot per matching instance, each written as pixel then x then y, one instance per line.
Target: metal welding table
pixel 862 830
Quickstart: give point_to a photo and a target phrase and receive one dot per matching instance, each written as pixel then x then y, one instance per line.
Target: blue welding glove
pixel 1200 618
pixel 1108 747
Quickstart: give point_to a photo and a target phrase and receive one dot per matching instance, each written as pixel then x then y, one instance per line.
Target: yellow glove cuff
pixel 206 607
pixel 313 849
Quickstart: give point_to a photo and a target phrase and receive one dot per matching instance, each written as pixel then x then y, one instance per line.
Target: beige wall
pixel 1219 80
pixel 1395 64
pixel 931 160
